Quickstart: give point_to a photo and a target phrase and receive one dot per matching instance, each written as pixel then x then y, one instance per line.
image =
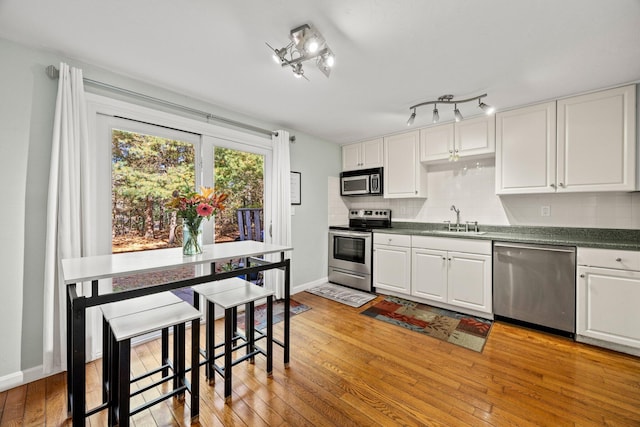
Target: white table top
pixel 83 269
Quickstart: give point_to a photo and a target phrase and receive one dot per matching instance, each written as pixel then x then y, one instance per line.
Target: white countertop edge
pixel 97 267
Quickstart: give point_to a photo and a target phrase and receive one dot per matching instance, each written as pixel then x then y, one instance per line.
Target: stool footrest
pixel 153 372
pixel 179 390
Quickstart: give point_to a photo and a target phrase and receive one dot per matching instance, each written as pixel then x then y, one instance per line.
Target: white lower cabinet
pixel 392 262
pixel 608 297
pixel 452 271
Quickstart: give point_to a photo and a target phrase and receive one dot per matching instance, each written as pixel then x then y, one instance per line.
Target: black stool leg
pixel 165 352
pixel 195 371
pixel 269 335
pixel 210 342
pixel 114 372
pixel 249 317
pixel 106 365
pixel 124 356
pixel 228 344
pixel 179 373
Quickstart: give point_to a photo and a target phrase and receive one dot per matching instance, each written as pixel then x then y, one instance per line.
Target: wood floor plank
pixel 35 404
pixel 352 370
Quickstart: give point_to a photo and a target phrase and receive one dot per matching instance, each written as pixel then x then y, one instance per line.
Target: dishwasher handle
pixel 535 247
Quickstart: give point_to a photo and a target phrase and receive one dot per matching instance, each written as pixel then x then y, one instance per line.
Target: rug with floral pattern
pixel 462 329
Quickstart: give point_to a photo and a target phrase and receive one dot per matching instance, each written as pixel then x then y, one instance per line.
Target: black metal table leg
pixel 78 393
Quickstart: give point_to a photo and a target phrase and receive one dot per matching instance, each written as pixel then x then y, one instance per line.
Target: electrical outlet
pixel 545 211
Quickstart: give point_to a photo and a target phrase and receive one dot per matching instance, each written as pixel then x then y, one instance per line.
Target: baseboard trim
pixel 17 379
pixel 308 285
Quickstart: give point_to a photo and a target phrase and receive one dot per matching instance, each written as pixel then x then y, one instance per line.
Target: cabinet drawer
pixel 392 239
pixel 609 258
pixel 452 244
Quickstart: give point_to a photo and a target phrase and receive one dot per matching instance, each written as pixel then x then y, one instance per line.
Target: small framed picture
pixel 295 188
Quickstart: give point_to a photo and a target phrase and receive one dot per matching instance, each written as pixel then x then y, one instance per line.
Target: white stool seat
pixel 134 305
pixel 239 295
pixel 218 286
pixel 143 322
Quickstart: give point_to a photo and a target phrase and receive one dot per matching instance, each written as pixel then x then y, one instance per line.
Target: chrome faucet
pixel 457 211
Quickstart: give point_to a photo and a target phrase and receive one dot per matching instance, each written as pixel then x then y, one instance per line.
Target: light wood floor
pixel 352 370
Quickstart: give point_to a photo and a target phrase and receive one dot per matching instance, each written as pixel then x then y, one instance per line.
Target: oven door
pixel 350 250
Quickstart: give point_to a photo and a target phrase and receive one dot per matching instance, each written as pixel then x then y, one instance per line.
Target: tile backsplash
pixel 470 185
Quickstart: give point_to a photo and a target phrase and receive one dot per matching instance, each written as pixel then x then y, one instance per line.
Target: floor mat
pixel 456 328
pixel 342 294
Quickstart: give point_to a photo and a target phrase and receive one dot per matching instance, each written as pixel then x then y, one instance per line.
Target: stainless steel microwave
pixel 363 182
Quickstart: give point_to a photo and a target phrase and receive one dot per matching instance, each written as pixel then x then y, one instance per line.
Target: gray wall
pixel 26 117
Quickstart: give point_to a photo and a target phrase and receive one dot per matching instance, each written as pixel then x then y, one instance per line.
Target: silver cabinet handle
pixel 552 185
pixel 619 259
pixel 582 276
pixel 561 185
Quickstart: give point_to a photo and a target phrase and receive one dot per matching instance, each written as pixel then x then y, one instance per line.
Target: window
pixel 240 175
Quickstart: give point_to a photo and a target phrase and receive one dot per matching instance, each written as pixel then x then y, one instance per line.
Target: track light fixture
pixel 306 44
pixel 448 99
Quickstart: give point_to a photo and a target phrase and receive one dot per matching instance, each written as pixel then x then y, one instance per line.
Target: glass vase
pixel 191 238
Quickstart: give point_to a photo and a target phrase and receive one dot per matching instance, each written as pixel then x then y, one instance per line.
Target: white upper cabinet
pixel 404 175
pixel 362 155
pixel 526 150
pixel 597 141
pixel 470 137
pixel 582 143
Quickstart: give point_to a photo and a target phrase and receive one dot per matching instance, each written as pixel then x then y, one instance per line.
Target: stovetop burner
pixel 366 220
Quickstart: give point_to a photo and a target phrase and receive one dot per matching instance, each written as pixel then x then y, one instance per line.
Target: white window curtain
pixel 68 233
pixel 280 208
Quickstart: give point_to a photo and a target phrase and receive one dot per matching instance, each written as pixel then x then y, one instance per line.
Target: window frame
pixel 100 111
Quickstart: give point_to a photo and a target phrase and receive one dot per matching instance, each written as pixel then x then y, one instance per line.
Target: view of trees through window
pixel 146 169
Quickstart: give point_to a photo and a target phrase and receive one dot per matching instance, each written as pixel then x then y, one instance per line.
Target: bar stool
pixel 124 328
pixel 229 294
pixel 124 308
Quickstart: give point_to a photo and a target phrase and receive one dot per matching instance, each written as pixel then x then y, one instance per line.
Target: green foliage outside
pixel 147 169
pixel 241 176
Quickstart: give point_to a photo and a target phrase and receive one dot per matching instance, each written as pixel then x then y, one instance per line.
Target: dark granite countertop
pixel 605 238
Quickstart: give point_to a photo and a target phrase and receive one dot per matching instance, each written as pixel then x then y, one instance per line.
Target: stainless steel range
pixel 350 247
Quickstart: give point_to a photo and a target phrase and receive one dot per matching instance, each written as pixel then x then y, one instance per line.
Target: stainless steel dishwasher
pixel 535 284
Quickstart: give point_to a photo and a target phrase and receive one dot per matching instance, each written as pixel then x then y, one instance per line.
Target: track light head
pixel 456 113
pixel 488 109
pixel 412 118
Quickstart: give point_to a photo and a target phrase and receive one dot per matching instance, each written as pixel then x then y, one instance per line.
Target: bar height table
pixel 95 268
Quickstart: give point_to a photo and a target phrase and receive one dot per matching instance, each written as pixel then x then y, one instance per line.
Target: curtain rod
pixel 54 73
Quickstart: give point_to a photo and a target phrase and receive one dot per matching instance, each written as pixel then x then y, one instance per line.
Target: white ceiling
pixel 390 54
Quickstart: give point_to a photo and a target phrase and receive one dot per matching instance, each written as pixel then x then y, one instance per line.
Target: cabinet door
pixel 392 268
pixel 404 175
pixel 351 157
pixel 596 141
pixel 475 136
pixel 429 274
pixel 372 153
pixel 470 281
pixel 607 305
pixel 526 150
pixel 436 143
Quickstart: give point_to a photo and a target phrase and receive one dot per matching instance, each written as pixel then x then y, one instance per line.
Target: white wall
pixel 26 117
pixel 470 185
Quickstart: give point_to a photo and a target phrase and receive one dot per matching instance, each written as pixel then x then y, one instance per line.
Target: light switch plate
pixel 545 211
